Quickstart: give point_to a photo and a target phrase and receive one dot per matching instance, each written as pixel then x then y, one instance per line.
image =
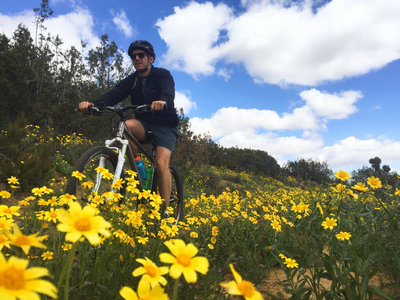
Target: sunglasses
pixel 140 54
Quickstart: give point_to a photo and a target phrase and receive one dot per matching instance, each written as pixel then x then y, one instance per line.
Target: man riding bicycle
pixel 156 87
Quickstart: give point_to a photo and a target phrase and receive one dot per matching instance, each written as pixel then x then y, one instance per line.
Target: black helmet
pixel 142 45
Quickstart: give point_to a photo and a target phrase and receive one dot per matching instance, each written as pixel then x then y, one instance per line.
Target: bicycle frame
pixel 123 136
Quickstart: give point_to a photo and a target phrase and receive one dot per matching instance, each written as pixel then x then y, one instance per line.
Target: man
pixel 156 87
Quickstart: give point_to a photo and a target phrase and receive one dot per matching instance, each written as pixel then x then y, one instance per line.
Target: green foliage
pixel 26 154
pixel 309 170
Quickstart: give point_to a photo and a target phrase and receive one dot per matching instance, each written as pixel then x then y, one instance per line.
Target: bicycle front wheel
pixel 176 197
pixel 90 164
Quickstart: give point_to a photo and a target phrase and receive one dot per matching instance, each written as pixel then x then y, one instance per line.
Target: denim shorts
pixel 163 135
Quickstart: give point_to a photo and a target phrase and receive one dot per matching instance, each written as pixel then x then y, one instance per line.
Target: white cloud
pixel 121 21
pixel 72 28
pixel 297 131
pixel 284 43
pixel 331 106
pixel 183 101
pixel 352 152
pixel 190 34
pixel 317 109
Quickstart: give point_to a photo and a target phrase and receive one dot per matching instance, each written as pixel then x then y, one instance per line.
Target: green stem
pixel 176 286
pixel 66 271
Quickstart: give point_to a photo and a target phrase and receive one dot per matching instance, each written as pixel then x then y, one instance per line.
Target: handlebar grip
pixel 94 110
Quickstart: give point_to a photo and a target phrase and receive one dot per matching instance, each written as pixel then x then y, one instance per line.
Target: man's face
pixel 141 60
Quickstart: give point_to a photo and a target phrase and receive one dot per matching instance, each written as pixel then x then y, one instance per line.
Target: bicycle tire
pixel 176 198
pixel 86 165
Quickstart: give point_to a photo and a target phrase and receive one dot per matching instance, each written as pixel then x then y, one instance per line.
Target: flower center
pixel 12 278
pixel 151 270
pixel 183 260
pixel 246 288
pixel 82 224
pixel 22 240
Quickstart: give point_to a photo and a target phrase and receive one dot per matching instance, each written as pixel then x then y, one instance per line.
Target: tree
pixel 309 170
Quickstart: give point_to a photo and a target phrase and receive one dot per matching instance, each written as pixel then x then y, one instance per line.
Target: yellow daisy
pixel 19 282
pixel 144 292
pixel 78 222
pixel 25 242
pixel 150 272
pixel 183 260
pixel 241 287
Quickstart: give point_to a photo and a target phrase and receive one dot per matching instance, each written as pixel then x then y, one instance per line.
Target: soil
pixel 272 287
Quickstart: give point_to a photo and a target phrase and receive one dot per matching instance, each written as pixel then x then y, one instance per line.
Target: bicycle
pixel 112 157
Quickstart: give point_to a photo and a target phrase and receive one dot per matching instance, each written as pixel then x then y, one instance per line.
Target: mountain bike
pixel 112 157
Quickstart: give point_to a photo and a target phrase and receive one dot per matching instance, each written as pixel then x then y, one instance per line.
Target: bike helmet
pixel 142 45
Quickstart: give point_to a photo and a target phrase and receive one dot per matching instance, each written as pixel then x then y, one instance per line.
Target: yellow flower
pixel 4 241
pixel 25 242
pixel 37 192
pixel 290 263
pixel 78 175
pixel 194 235
pixel 360 187
pixel 276 225
pixel 210 246
pixel 5 194
pixel 88 184
pixel 241 287
pixel 5 224
pixel 12 180
pixel 342 175
pixel 214 231
pixel 150 272
pixel 18 282
pixel 77 222
pixel 144 292
pixel 51 215
pixel 329 223
pixel 66 246
pixel 374 182
pixel 142 240
pixel 343 236
pixel 47 255
pixel 9 212
pixel 184 261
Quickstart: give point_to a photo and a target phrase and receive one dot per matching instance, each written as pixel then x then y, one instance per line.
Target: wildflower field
pixel 338 242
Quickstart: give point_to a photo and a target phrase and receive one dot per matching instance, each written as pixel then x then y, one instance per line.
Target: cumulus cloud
pixel 123 25
pixel 353 152
pixel 283 42
pixel 182 101
pixel 191 33
pixel 299 130
pixel 72 28
pixel 318 107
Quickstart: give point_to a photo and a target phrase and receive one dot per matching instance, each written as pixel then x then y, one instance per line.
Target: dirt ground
pixel 272 285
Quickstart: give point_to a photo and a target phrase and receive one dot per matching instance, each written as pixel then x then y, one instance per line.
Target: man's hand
pixel 158 105
pixel 83 106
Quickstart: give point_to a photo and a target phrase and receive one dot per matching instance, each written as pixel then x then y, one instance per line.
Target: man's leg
pixel 137 130
pixel 163 156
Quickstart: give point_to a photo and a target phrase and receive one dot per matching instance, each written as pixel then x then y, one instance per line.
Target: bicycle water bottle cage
pixel 149 136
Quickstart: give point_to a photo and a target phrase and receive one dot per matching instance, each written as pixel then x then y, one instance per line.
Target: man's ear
pixel 151 59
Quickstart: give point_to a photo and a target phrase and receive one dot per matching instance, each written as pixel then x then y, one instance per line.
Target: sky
pixel 299 79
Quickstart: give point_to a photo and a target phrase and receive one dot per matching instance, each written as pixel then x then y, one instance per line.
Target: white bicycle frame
pixel 121 156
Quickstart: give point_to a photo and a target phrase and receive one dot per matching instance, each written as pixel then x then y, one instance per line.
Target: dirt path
pixel 272 285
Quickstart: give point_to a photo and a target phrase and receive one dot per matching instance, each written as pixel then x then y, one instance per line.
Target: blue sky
pixel 298 79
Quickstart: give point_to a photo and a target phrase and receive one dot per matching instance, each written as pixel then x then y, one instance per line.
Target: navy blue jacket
pixel 158 85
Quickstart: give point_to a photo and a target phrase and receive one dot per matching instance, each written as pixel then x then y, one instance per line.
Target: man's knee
pixel 135 127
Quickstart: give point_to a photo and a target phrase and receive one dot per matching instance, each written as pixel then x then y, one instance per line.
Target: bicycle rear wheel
pixel 87 164
pixel 176 198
